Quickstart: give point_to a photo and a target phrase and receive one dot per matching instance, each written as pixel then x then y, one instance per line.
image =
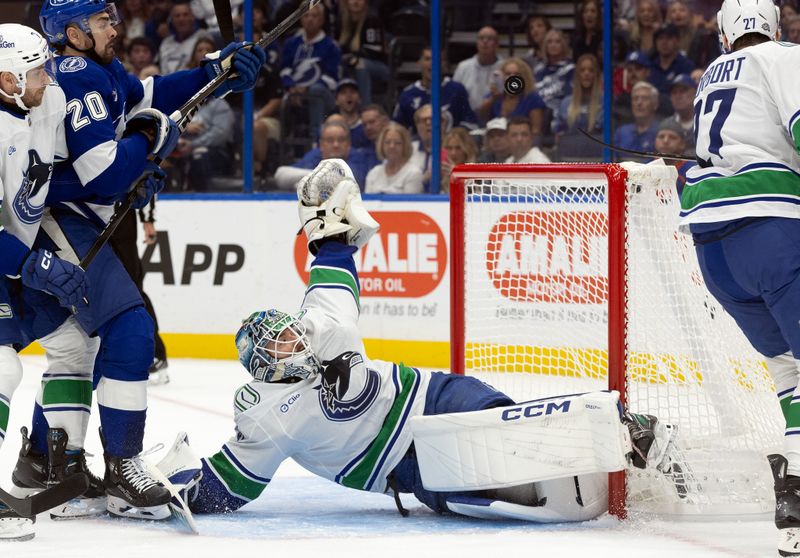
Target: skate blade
pixel 79 508
pixel 121 508
pixel 16 529
pixel 789 542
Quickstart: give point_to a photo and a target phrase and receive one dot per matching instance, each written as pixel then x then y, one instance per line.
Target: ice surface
pixel 300 515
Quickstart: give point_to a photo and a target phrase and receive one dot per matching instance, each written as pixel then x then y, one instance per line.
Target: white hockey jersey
pixel 351 429
pixel 29 143
pixel 747 125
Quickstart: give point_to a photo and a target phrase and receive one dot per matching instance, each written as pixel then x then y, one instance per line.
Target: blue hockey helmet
pixel 274 347
pixel 56 15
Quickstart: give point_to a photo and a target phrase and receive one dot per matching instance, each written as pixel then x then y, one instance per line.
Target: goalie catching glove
pixel 330 206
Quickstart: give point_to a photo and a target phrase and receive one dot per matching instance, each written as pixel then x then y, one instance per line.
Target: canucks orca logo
pixel 336 381
pixel 28 209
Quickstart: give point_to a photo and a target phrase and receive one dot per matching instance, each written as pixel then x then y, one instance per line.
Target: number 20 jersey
pixel 747 127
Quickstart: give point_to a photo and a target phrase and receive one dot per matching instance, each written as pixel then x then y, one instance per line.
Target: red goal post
pixel 573 277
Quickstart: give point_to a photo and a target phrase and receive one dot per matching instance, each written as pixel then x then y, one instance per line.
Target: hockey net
pixel 569 278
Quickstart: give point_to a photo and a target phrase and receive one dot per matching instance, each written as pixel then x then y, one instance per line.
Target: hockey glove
pixel 44 271
pixel 162 132
pixel 151 183
pixel 246 64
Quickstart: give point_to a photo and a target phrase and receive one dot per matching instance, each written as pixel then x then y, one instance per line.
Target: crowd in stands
pixel 330 88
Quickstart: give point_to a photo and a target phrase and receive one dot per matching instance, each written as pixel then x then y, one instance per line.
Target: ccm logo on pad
pixel 535 410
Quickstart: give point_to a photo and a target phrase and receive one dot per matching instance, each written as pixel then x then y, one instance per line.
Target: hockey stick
pixel 222 9
pixel 183 115
pixel 651 154
pixel 71 487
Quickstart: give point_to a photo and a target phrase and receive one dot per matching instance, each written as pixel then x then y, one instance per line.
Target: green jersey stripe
pixel 3 416
pixel 61 391
pixel 359 476
pixel 757 183
pixel 333 276
pixel 236 482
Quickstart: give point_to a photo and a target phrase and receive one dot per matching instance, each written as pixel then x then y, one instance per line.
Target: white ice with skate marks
pixel 300 515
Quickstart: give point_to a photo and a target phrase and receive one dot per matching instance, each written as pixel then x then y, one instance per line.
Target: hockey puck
pixel 514 85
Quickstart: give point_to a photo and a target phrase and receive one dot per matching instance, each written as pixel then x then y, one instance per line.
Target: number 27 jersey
pixel 747 131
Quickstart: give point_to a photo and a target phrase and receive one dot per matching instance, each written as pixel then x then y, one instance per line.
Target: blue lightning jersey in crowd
pixel 102 163
pixel 454 101
pixel 306 63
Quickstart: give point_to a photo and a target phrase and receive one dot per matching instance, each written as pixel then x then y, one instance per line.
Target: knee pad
pixel 10 371
pixel 127 346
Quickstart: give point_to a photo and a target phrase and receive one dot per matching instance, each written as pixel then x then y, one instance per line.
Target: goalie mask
pixel 273 346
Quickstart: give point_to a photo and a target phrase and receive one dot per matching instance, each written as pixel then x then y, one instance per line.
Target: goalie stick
pixel 71 487
pixel 183 115
pixel 651 154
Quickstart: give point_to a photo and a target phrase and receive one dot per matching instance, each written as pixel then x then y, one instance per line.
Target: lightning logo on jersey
pixel 28 209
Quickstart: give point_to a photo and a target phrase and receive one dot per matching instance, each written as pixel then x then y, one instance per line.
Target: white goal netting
pixel 536 307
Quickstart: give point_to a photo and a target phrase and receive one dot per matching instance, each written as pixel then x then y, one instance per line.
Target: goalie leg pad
pixel 529 442
pixel 555 501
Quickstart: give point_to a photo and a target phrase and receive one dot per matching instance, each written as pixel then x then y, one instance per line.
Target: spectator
pixel 175 51
pixel 460 149
pixel 520 140
pixel 375 119
pixel 149 71
pixel 334 143
pixel 638 68
pixel 362 39
pixel 554 81
pixel 454 98
pixel 537 27
pixel 348 103
pixel 476 73
pixel 528 103
pixel 156 28
pixel 397 174
pixel 697 43
pixel 792 29
pixel 581 110
pixel 206 142
pixel 140 55
pixel 640 135
pixel 204 12
pixel 681 94
pixel 672 140
pixel 588 29
pixel 135 14
pixel 310 67
pixel 788 9
pixel 495 142
pixel 423 121
pixel 668 62
pixel 648 20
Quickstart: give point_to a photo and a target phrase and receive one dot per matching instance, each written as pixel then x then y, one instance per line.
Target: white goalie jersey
pixel 29 143
pixel 747 126
pixel 351 428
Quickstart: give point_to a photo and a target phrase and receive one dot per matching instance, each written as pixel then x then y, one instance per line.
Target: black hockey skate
pixel 35 471
pixel 14 527
pixel 132 491
pixel 787 506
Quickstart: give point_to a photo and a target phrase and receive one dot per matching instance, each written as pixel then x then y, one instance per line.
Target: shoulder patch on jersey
pixel 72 64
pixel 246 398
pixel 6 312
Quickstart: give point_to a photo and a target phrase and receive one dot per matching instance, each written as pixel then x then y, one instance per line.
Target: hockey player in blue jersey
pixel 115 124
pixel 382 426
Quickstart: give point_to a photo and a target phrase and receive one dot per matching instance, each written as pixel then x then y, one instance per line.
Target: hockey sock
pixel 66 401
pixel 10 377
